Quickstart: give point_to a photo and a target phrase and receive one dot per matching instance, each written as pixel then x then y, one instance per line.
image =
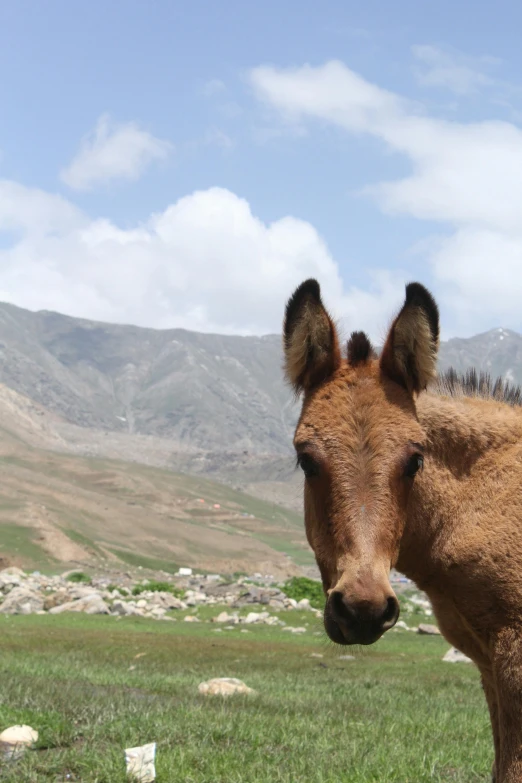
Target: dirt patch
pixel 50 538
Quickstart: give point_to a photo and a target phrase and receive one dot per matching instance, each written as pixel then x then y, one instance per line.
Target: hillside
pixel 58 509
pixel 110 436
pixel 204 404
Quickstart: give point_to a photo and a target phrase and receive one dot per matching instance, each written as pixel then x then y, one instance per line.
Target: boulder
pixel 22 601
pixel 428 630
pixel 91 604
pixel 56 599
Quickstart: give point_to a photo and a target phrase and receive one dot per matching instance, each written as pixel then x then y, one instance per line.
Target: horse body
pixel 427 481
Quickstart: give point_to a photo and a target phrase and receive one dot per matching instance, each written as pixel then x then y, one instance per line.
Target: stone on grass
pixel 455 656
pixel 140 763
pixel 347 657
pixel 22 601
pixel 223 686
pixel 224 617
pixel 15 740
pixel 428 630
pixel 401 625
pixel 191 619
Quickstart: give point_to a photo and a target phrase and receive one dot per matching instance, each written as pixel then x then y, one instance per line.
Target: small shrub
pixel 123 590
pixel 158 587
pixel 300 587
pixel 79 576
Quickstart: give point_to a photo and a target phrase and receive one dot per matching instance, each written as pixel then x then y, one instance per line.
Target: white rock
pixel 428 630
pixel 15 740
pixel 223 686
pixel 347 657
pixel 224 617
pixel 91 604
pixel 140 763
pixel 455 656
pixel 401 624
pixel 256 617
pixel 22 601
pixel 304 603
pixel 191 619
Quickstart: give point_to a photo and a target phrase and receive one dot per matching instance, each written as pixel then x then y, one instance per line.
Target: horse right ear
pixel 409 356
pixel 311 345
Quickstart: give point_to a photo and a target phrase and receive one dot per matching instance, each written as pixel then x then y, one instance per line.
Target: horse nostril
pixel 339 607
pixel 391 611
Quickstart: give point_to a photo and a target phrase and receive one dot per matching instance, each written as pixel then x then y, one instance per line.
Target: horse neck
pixel 462 435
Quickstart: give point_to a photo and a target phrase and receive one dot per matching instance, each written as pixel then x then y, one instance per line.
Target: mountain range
pixel 205 405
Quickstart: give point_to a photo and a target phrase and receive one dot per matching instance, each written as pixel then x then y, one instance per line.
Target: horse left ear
pixel 311 345
pixel 409 356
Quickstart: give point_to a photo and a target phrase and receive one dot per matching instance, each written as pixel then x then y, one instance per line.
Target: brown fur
pixel 455 527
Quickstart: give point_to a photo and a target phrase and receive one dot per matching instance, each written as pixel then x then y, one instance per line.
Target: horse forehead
pixel 345 402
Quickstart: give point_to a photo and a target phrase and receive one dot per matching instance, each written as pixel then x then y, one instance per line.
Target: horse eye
pixel 308 465
pixel 414 464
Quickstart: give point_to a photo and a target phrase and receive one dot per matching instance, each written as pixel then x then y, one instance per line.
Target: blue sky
pixel 174 164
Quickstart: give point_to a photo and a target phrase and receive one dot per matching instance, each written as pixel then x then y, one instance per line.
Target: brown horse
pixel 425 480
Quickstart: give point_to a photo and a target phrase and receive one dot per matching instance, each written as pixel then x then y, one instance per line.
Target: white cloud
pixel 113 152
pixel 205 263
pixel 468 176
pixel 452 70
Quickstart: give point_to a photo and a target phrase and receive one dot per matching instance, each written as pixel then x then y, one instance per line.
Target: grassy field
pixel 93 686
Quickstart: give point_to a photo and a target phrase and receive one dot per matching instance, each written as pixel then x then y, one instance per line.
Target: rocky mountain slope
pixel 198 403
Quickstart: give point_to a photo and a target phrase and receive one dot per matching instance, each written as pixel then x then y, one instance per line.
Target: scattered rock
pixel 347 657
pixel 428 630
pixel 191 619
pixel 223 686
pixel 316 655
pixel 455 656
pixel 15 740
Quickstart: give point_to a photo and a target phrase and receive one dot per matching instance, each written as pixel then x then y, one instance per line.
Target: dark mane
pixel 473 384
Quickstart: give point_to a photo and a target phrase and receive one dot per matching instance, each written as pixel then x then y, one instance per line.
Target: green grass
pixel 300 587
pixel 158 587
pixel 18 541
pixel 79 577
pixel 93 686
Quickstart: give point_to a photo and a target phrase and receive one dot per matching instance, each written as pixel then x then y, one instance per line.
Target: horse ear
pixel 311 345
pixel 409 356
